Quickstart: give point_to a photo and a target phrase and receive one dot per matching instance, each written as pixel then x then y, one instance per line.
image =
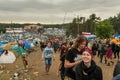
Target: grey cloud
pixel 72 5
pixel 19 6
pixel 67 6
pixel 54 10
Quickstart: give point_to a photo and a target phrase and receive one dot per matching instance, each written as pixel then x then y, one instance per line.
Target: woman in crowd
pixel 87 69
pixel 73 56
pixel 109 55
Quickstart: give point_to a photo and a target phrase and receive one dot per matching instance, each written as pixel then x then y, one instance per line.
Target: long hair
pixel 79 40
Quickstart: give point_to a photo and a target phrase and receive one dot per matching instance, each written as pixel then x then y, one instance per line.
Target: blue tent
pixel 15 47
pixel 28 45
pixel 1 51
pixel 20 50
pixel 118 36
pixel 1 44
pixel 91 37
pixel 4 41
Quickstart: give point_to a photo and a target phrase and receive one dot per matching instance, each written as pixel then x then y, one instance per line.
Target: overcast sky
pixel 55 11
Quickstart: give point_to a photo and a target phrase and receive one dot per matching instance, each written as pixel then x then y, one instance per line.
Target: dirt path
pixel 38 66
pixel 37 71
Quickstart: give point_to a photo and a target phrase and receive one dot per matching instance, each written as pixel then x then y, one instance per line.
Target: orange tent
pixel 113 41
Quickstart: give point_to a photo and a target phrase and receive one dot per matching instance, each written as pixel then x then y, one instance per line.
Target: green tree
pixel 81 28
pixel 104 29
pixel 93 19
pixel 115 22
pixel 80 24
pixel 72 28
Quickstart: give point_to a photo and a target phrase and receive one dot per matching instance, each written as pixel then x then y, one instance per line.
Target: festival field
pixel 36 68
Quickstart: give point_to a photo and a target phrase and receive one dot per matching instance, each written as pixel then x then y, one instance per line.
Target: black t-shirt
pixel 72 56
pixel 62 59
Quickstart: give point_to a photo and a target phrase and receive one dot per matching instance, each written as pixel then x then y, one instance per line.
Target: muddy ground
pixel 36 69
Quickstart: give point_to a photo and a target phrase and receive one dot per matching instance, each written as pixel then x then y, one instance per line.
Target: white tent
pixel 9 58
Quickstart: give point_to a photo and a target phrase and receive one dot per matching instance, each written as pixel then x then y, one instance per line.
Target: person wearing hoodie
pixel 47 56
pixel 87 68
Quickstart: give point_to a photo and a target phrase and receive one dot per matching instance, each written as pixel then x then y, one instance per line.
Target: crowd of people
pixel 77 58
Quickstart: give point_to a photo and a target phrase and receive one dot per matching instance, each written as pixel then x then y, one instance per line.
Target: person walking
pixel 87 69
pixel 61 68
pixel 47 55
pixel 73 56
pixel 109 53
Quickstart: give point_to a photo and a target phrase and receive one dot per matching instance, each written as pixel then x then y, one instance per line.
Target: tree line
pixel 102 28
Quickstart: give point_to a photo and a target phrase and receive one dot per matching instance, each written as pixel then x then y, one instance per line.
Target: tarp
pixel 7 46
pixel 4 41
pixel 19 49
pixel 14 47
pixel 28 45
pixel 1 51
pixel 90 36
pixel 21 41
pixel 36 40
pixel 113 41
pixel 7 58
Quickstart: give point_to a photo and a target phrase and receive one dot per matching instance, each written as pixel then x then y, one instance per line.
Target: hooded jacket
pixel 94 72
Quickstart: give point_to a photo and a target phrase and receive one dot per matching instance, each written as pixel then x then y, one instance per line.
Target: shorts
pixel 48 61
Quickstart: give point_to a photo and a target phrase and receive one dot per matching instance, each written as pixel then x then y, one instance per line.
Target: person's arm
pixel 53 54
pixel 58 69
pixel 43 54
pixel 68 64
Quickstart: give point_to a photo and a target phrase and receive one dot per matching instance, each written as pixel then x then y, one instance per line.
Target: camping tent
pixel 7 58
pixel 89 37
